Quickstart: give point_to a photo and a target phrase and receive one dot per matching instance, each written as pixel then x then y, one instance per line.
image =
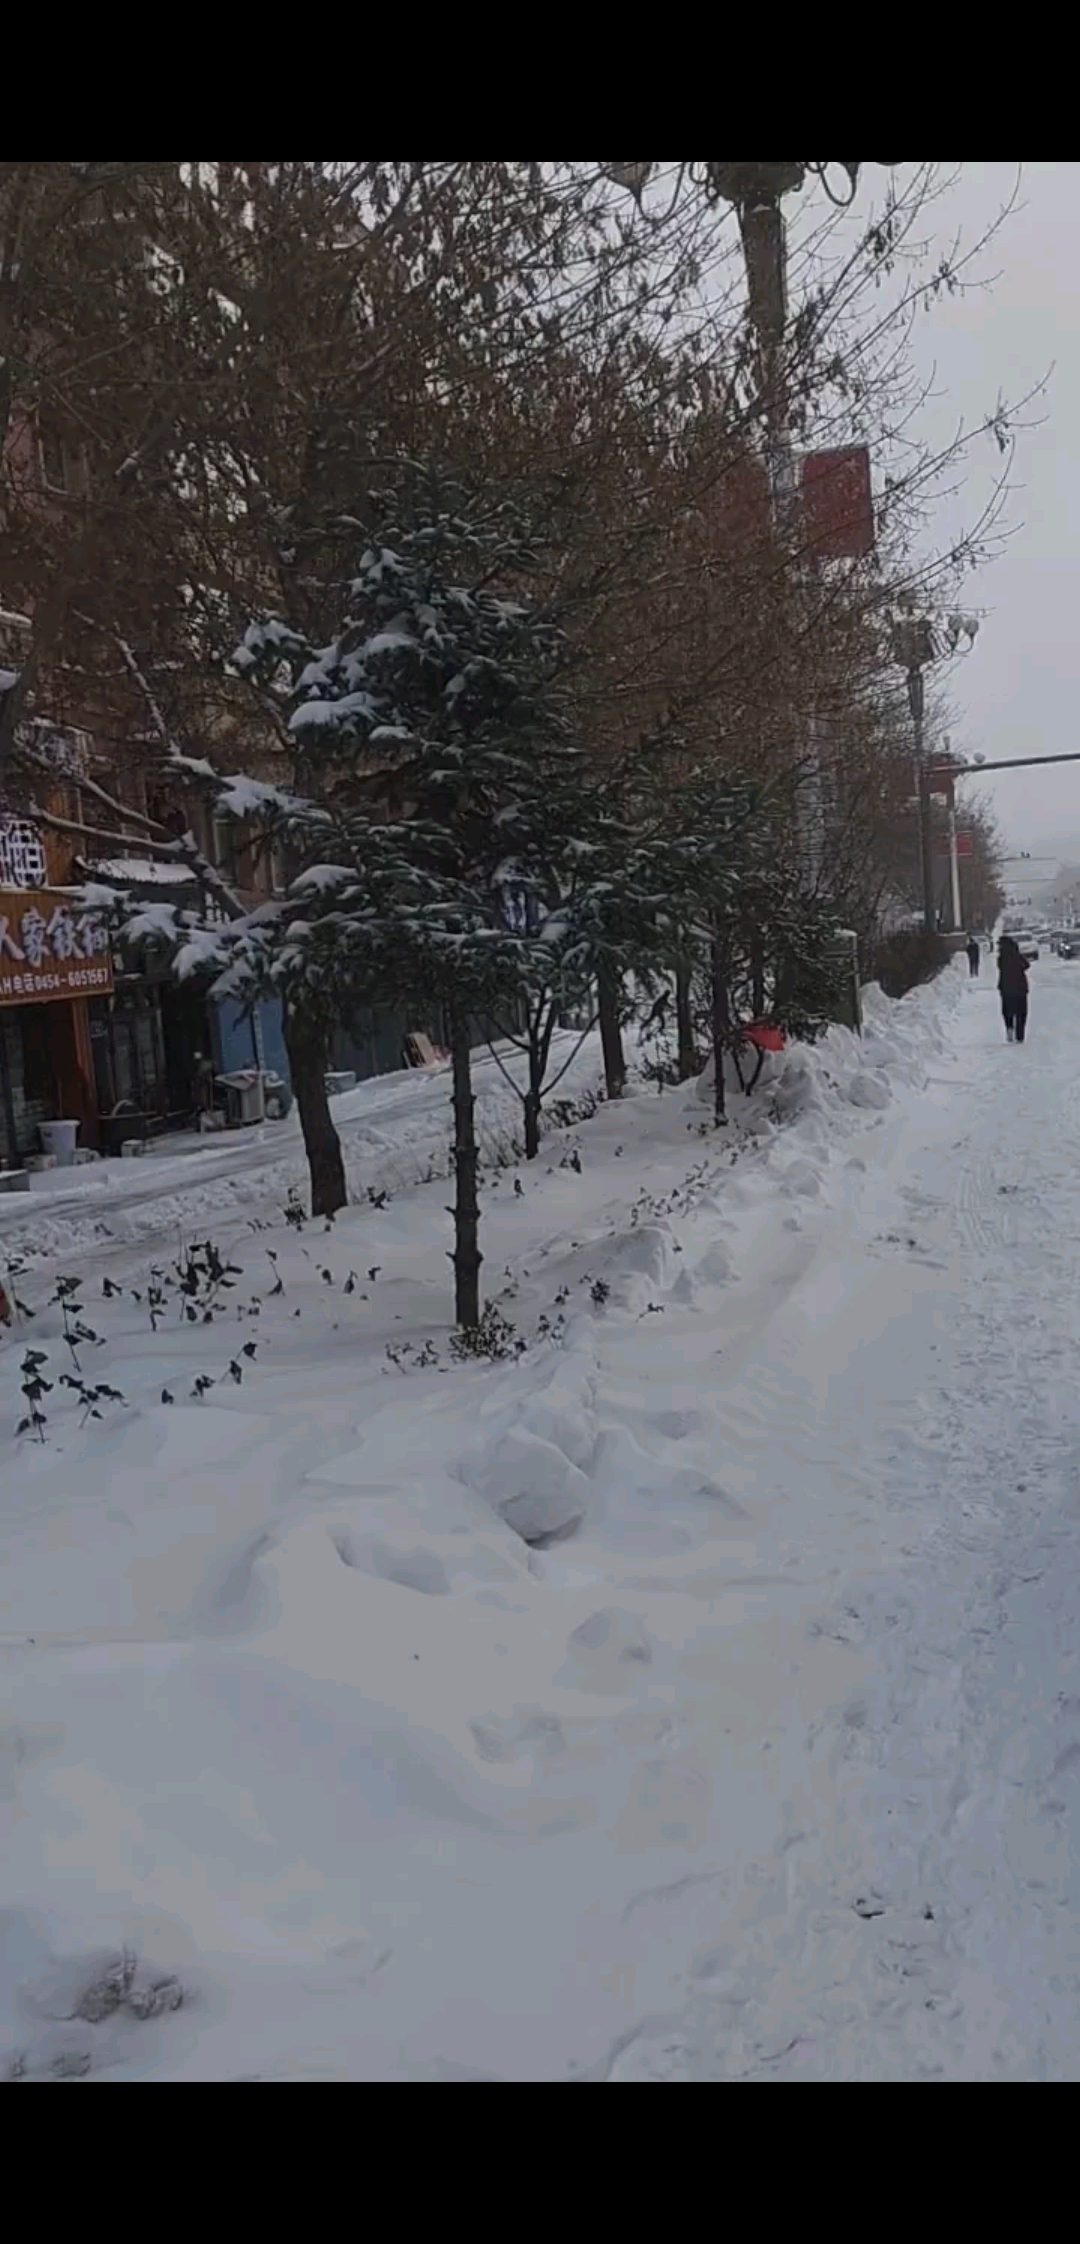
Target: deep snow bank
pixel 379 1709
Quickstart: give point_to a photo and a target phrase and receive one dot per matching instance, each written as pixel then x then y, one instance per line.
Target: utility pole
pixel 954 854
pixel 922 777
pixel 954 865
pixel 913 648
pixel 756 192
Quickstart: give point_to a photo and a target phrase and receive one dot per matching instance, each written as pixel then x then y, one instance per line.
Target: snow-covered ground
pixel 393 1131
pixel 695 1697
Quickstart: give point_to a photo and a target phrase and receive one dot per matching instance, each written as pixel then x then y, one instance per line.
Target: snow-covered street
pixel 695 1698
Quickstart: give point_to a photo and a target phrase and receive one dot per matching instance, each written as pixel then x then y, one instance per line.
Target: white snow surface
pixel 695 1698
pixel 146 869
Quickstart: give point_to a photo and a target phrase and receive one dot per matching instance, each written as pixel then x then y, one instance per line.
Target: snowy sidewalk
pixel 765 1771
pixel 919 1913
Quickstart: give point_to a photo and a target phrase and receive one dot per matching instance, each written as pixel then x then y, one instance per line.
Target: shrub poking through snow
pixel 493 1339
pixel 77 1333
pixel 35 1387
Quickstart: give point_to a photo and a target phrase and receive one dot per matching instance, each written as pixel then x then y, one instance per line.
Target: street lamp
pixel 913 647
pixel 756 193
pixel 916 643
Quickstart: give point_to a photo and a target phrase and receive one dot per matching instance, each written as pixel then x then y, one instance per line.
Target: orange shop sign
pixel 50 948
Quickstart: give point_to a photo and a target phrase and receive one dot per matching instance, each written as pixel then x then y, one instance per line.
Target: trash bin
pixel 59 1138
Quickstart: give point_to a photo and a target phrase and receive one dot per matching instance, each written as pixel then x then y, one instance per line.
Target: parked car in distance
pixel 1069 946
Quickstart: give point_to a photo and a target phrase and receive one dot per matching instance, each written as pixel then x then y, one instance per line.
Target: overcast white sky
pixel 1019 693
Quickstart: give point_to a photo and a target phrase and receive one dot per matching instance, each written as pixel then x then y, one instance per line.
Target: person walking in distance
pixel 1013 988
pixel 974 956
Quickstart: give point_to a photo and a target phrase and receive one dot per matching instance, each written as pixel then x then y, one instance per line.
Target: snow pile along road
pixel 687 1697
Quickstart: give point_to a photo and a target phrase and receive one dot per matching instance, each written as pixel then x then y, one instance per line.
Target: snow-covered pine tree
pixel 446 841
pixel 434 781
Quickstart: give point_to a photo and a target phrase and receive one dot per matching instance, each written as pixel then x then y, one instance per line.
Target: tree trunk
pixel 532 1125
pixel 757 971
pixel 466 1256
pixel 684 1026
pixel 541 1031
pixel 608 993
pixel 719 1031
pixel 306 1045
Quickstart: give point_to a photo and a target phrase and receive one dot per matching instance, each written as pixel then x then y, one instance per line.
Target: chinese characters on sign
pixel 49 948
pixel 22 854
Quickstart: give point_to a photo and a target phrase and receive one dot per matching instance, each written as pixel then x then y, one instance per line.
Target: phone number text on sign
pixel 51 950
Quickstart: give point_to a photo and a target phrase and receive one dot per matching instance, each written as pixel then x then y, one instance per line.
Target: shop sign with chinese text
pixel 51 948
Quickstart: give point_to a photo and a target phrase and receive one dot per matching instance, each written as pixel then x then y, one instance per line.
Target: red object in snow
pixel 766 1038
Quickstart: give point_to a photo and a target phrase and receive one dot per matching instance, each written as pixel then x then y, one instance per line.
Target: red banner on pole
pixel 838 503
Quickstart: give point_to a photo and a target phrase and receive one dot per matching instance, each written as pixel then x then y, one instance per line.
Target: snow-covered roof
pixel 139 869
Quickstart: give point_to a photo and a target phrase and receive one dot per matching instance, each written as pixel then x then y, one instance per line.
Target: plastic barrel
pixel 59 1138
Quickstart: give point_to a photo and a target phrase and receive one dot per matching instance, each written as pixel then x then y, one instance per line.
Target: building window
pixel 66 748
pixel 166 812
pixel 224 833
pixel 22 854
pixel 232 850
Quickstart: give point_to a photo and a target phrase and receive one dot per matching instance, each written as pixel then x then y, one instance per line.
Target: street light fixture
pixel 756 193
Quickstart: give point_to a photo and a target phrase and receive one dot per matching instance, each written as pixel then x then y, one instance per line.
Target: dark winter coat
pixel 1012 971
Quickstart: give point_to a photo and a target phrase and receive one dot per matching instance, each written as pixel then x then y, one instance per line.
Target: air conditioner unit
pixel 66 747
